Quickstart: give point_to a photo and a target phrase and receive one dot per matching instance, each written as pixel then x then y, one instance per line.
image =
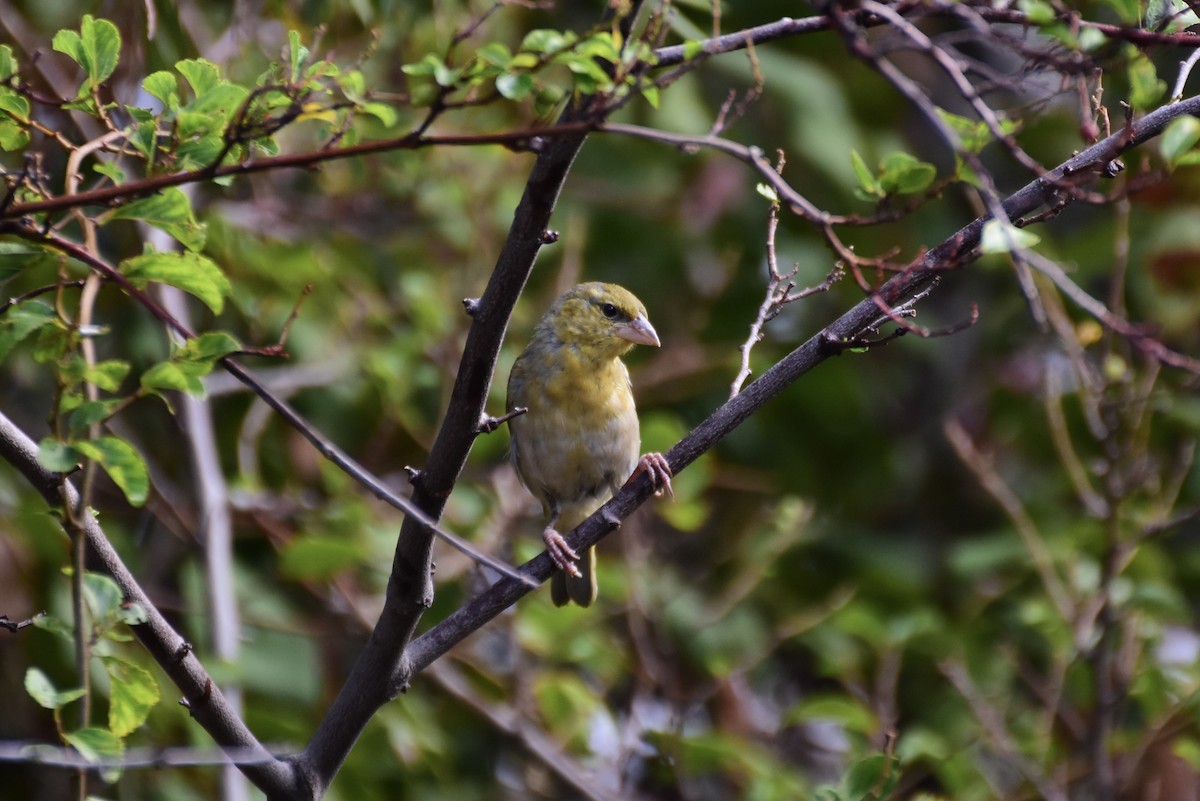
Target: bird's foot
pixel 659 470
pixel 560 552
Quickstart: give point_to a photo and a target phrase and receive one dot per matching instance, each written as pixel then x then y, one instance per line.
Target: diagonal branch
pixel 201 695
pixel 954 252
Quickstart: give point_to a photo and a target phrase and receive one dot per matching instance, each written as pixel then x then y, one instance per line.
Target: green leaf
pixel 1003 237
pixel 96 48
pixel 13 136
pixel 8 64
pixel 43 691
pixel 190 363
pixel 14 105
pixel 91 412
pixel 188 271
pixel 1038 12
pixel 872 778
pixel 866 178
pixel 495 54
pixel 201 74
pixel 210 346
pixel 164 86
pixel 122 463
pixel 767 191
pixel 57 456
pixel 841 709
pixel 1179 138
pixel 111 171
pixel 134 693
pixel 169 211
pixel 1145 88
pixel 381 111
pixel 172 376
pixel 545 40
pixel 95 744
pixel 297 53
pixel 107 375
pixel 21 321
pixel 905 174
pixel 515 86
pixel 103 596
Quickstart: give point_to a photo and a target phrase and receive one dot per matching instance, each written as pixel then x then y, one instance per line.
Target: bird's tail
pixel 582 588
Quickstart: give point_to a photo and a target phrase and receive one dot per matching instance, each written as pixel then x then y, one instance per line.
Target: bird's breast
pixel 579 439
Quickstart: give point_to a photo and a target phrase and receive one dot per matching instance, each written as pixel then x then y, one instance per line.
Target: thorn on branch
pixel 488 424
pixel 16 625
pixel 412 474
pixel 471 306
pixel 549 237
pixel 182 651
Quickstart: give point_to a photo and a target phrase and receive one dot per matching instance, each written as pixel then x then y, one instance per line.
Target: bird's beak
pixel 639 331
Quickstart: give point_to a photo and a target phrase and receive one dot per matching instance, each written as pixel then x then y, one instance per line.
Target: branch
pixel 526 139
pixel 955 251
pixel 326 448
pixel 201 696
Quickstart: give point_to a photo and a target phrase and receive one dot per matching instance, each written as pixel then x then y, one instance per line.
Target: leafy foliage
pixel 953 567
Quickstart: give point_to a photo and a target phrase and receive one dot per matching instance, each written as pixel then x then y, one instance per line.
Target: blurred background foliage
pixel 834 585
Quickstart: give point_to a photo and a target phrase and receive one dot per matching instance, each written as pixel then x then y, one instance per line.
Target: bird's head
pixel 604 319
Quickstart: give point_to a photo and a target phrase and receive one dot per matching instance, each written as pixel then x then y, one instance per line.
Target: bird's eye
pixel 609 310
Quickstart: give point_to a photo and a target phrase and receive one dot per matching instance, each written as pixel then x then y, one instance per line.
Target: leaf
pixel 1004 237
pixel 544 40
pixel 211 346
pixel 171 376
pixel 96 48
pixel 21 321
pixel 43 691
pixel 515 86
pixel 122 463
pixel 904 174
pixel 103 594
pixel 692 48
pixel 164 86
pixel 13 136
pixel 850 714
pixel 8 64
pixel 297 53
pixel 188 271
pixel 873 777
pixel 57 456
pixel 95 744
pixel 1038 12
pixel 14 105
pixel 190 363
pixel 866 178
pixel 107 375
pixel 495 54
pixel 91 412
pixel 201 74
pixel 134 693
pixel 1179 138
pixel 169 211
pixel 381 111
pixel 1145 88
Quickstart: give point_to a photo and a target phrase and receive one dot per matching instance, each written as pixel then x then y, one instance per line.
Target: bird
pixel 578 441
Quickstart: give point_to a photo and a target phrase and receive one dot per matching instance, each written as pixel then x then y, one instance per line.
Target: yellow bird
pixel 579 441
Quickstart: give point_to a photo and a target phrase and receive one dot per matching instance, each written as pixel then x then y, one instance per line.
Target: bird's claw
pixel 659 470
pixel 560 552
